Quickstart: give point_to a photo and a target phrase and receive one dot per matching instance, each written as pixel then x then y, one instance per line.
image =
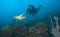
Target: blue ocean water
pixel 11 8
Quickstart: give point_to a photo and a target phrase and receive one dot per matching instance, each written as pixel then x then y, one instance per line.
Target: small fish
pixel 20 17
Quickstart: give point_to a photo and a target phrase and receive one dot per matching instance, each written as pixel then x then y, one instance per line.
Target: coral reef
pixel 38 30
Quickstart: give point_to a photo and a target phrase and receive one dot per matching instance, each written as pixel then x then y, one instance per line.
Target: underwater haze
pixel 11 8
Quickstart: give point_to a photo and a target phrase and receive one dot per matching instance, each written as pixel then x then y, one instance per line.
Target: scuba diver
pixel 32 10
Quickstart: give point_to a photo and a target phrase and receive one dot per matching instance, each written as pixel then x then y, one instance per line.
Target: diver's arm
pixel 39 7
pixel 27 11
